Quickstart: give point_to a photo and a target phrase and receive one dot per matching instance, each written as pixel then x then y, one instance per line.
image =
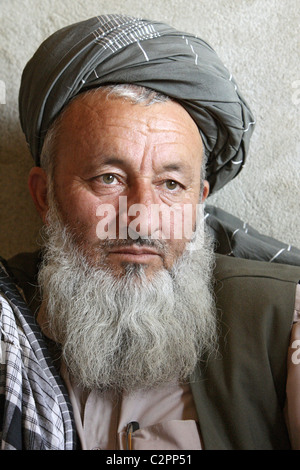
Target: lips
pixel 135 250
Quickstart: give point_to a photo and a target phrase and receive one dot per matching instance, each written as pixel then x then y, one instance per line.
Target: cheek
pixel 78 211
pixel 178 222
pixel 175 249
pixel 178 229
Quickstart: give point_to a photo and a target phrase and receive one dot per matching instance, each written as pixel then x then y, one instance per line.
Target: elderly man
pixel 142 337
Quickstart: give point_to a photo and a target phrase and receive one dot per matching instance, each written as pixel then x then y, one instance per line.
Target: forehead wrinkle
pixel 158 125
pixel 150 122
pixel 174 134
pixel 101 112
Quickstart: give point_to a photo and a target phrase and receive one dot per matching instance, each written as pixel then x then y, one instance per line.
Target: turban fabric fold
pixel 115 49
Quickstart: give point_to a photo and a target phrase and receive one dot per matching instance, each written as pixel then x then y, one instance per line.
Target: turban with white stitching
pixel 113 49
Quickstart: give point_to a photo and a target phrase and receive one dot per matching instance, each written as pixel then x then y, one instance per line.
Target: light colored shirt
pixel 167 418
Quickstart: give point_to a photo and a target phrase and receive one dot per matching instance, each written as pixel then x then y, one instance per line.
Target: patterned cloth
pixel 35 413
pixel 112 49
pixel 237 238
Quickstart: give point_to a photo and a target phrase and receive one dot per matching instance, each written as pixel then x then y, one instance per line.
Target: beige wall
pixel 259 42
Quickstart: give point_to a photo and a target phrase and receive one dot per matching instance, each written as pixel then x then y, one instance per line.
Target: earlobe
pixel 205 191
pixel 37 182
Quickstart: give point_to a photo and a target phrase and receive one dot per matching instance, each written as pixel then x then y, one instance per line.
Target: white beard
pixel 127 332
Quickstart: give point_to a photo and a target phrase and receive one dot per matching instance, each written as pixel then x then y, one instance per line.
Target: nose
pixel 142 216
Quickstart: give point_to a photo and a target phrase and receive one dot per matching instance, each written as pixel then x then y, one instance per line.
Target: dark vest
pixel 239 394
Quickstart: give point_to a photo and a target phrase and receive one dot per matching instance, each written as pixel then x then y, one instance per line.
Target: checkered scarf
pixel 35 413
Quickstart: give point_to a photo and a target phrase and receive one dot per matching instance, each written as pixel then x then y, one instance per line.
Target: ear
pixel 37 182
pixel 205 191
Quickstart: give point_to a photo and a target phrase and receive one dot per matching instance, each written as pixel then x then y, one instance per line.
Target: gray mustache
pixel 147 241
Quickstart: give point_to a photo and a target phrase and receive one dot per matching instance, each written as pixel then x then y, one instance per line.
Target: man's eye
pixel 171 185
pixel 108 178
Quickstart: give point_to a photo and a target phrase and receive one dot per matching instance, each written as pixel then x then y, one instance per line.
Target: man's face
pixel 120 307
pixel 151 156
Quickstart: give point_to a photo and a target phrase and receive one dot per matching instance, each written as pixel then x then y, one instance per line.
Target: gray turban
pixel 114 49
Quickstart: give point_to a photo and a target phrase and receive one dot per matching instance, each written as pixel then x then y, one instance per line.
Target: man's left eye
pixel 108 178
pixel 171 185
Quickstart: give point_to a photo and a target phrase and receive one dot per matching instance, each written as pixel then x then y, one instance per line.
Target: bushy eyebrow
pixel 114 161
pixel 174 166
pixel 182 169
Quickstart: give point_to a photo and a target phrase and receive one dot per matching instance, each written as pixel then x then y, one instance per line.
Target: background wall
pixel 258 41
